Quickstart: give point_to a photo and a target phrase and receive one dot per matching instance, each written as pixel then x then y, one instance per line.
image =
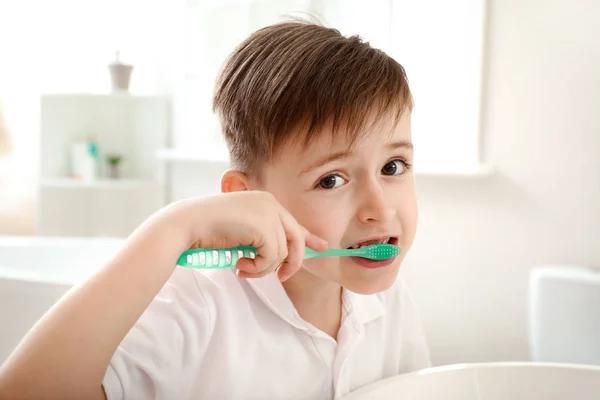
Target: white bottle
pixel 83 163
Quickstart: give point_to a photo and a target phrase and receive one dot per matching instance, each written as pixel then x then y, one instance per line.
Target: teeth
pixel 357 246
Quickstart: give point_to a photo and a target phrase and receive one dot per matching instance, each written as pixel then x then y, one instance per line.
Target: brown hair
pixel 299 76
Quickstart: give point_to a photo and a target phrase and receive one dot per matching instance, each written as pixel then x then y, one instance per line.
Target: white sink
pixel 490 381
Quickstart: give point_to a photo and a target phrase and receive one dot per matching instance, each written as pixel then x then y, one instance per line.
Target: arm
pixel 67 352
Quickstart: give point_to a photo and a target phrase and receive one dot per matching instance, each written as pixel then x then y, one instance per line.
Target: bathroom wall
pixel 478 239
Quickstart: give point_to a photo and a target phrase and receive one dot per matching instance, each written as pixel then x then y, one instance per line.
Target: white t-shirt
pixel 210 335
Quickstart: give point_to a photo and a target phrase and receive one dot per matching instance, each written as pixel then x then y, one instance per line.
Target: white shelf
pixel 106 95
pixel 135 126
pixel 118 184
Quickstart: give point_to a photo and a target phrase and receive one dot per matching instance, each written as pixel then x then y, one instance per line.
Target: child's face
pixel 369 193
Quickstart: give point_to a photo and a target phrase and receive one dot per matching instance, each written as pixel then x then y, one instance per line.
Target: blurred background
pixel 105 116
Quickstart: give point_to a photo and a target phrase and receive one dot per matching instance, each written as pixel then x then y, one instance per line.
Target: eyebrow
pixel 340 155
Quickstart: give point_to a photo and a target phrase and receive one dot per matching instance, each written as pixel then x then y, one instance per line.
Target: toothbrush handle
pixel 310 253
pixel 228 257
pixel 215 258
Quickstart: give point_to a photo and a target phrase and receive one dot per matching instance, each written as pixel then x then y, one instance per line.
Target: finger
pixel 247 275
pixel 289 268
pixel 264 264
pixel 257 265
pixel 271 251
pixel 297 251
pixel 245 266
pixel 295 247
pixel 294 260
pixel 249 270
pixel 315 242
pixel 282 245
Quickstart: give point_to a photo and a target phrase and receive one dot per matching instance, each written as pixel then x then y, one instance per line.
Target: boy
pixel 318 128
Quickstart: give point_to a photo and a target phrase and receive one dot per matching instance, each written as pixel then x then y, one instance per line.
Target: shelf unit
pixel 135 127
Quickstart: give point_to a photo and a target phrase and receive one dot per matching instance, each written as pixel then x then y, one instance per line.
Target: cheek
pixel 321 217
pixel 318 213
pixel 409 216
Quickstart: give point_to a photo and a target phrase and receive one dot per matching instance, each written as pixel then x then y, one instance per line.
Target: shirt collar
pixel 271 292
pixel 362 309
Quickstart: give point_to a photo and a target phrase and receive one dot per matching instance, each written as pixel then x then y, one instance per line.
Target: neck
pixel 317 301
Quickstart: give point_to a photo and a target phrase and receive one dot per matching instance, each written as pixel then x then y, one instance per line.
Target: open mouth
pixel 383 239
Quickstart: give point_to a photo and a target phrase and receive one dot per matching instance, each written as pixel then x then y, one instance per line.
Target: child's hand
pixel 68 351
pixel 251 218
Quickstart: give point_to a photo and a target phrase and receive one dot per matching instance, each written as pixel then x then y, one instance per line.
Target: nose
pixel 375 205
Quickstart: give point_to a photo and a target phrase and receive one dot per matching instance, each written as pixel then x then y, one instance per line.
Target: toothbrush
pixel 228 257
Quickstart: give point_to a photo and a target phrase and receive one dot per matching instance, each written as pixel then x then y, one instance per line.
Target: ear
pixel 234 181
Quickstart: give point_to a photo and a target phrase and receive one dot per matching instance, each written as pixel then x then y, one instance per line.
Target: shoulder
pixel 188 301
pixel 171 337
pixel 199 290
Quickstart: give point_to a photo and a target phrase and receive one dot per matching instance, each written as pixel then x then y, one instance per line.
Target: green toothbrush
pixel 227 258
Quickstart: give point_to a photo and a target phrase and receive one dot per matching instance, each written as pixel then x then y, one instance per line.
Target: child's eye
pixel 394 167
pixel 331 182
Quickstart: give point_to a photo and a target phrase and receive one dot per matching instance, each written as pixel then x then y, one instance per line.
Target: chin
pixel 361 280
pixel 371 285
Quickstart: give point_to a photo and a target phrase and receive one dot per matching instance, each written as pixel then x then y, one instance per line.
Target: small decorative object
pixel 120 74
pixel 114 161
